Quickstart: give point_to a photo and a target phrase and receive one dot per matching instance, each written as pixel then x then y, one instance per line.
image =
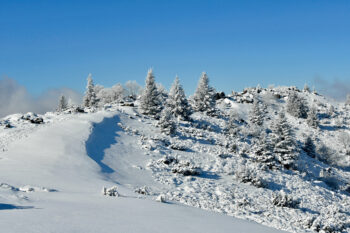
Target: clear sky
pixel 45 44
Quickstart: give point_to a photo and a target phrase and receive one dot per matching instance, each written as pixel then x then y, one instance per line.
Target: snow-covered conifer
pixel 312 119
pixel 166 122
pixel 177 101
pixel 296 106
pixel 309 147
pixel 307 88
pixel 283 141
pixel 150 103
pixel 90 99
pixel 62 104
pixel 203 98
pixel 256 114
pixel 263 151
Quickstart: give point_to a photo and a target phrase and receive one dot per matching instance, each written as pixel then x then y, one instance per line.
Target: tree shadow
pixel 102 136
pixel 12 207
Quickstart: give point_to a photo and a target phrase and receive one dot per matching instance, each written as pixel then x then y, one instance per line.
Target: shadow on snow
pixel 102 136
pixel 12 207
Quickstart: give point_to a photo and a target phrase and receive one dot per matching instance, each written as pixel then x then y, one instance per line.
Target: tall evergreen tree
pixel 256 114
pixel 62 104
pixel 312 119
pixel 203 98
pixel 150 103
pixel 90 99
pixel 284 144
pixel 296 106
pixel 177 101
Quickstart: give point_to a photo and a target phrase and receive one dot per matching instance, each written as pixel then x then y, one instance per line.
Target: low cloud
pixel 336 89
pixel 15 98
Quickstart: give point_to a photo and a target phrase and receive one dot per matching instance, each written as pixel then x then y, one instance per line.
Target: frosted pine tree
pixel 166 122
pixel 263 151
pixel 256 114
pixel 284 144
pixel 296 106
pixel 150 103
pixel 90 99
pixel 312 119
pixel 203 98
pixel 62 104
pixel 177 101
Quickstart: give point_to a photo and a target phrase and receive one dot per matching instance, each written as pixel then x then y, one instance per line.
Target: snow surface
pixel 52 176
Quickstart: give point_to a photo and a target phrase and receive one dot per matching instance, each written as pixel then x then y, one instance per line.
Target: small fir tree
pixel 177 101
pixel 256 114
pixel 62 104
pixel 90 99
pixel 203 98
pixel 231 127
pixel 263 151
pixel 284 144
pixel 150 103
pixel 296 106
pixel 166 122
pixel 312 119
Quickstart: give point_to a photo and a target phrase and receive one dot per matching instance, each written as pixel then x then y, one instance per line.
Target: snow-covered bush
pixel 112 192
pixel 344 139
pixel 232 125
pixel 249 175
pixel 203 98
pixel 150 102
pixel 132 89
pixel 143 190
pixel 186 168
pixel 109 95
pixel 166 122
pixel 296 105
pixel 312 119
pixel 281 199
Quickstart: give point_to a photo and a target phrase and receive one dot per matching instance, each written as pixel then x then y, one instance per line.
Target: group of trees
pixel 275 146
pixel 175 104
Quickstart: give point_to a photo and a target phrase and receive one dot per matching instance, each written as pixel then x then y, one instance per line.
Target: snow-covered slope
pixel 52 176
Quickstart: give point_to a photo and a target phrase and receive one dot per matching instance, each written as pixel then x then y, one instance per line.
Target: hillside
pixel 52 172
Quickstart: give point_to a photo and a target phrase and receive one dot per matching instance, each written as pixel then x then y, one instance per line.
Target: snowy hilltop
pixel 138 159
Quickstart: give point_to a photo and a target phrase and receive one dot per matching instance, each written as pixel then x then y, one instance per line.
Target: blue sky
pixel 47 44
